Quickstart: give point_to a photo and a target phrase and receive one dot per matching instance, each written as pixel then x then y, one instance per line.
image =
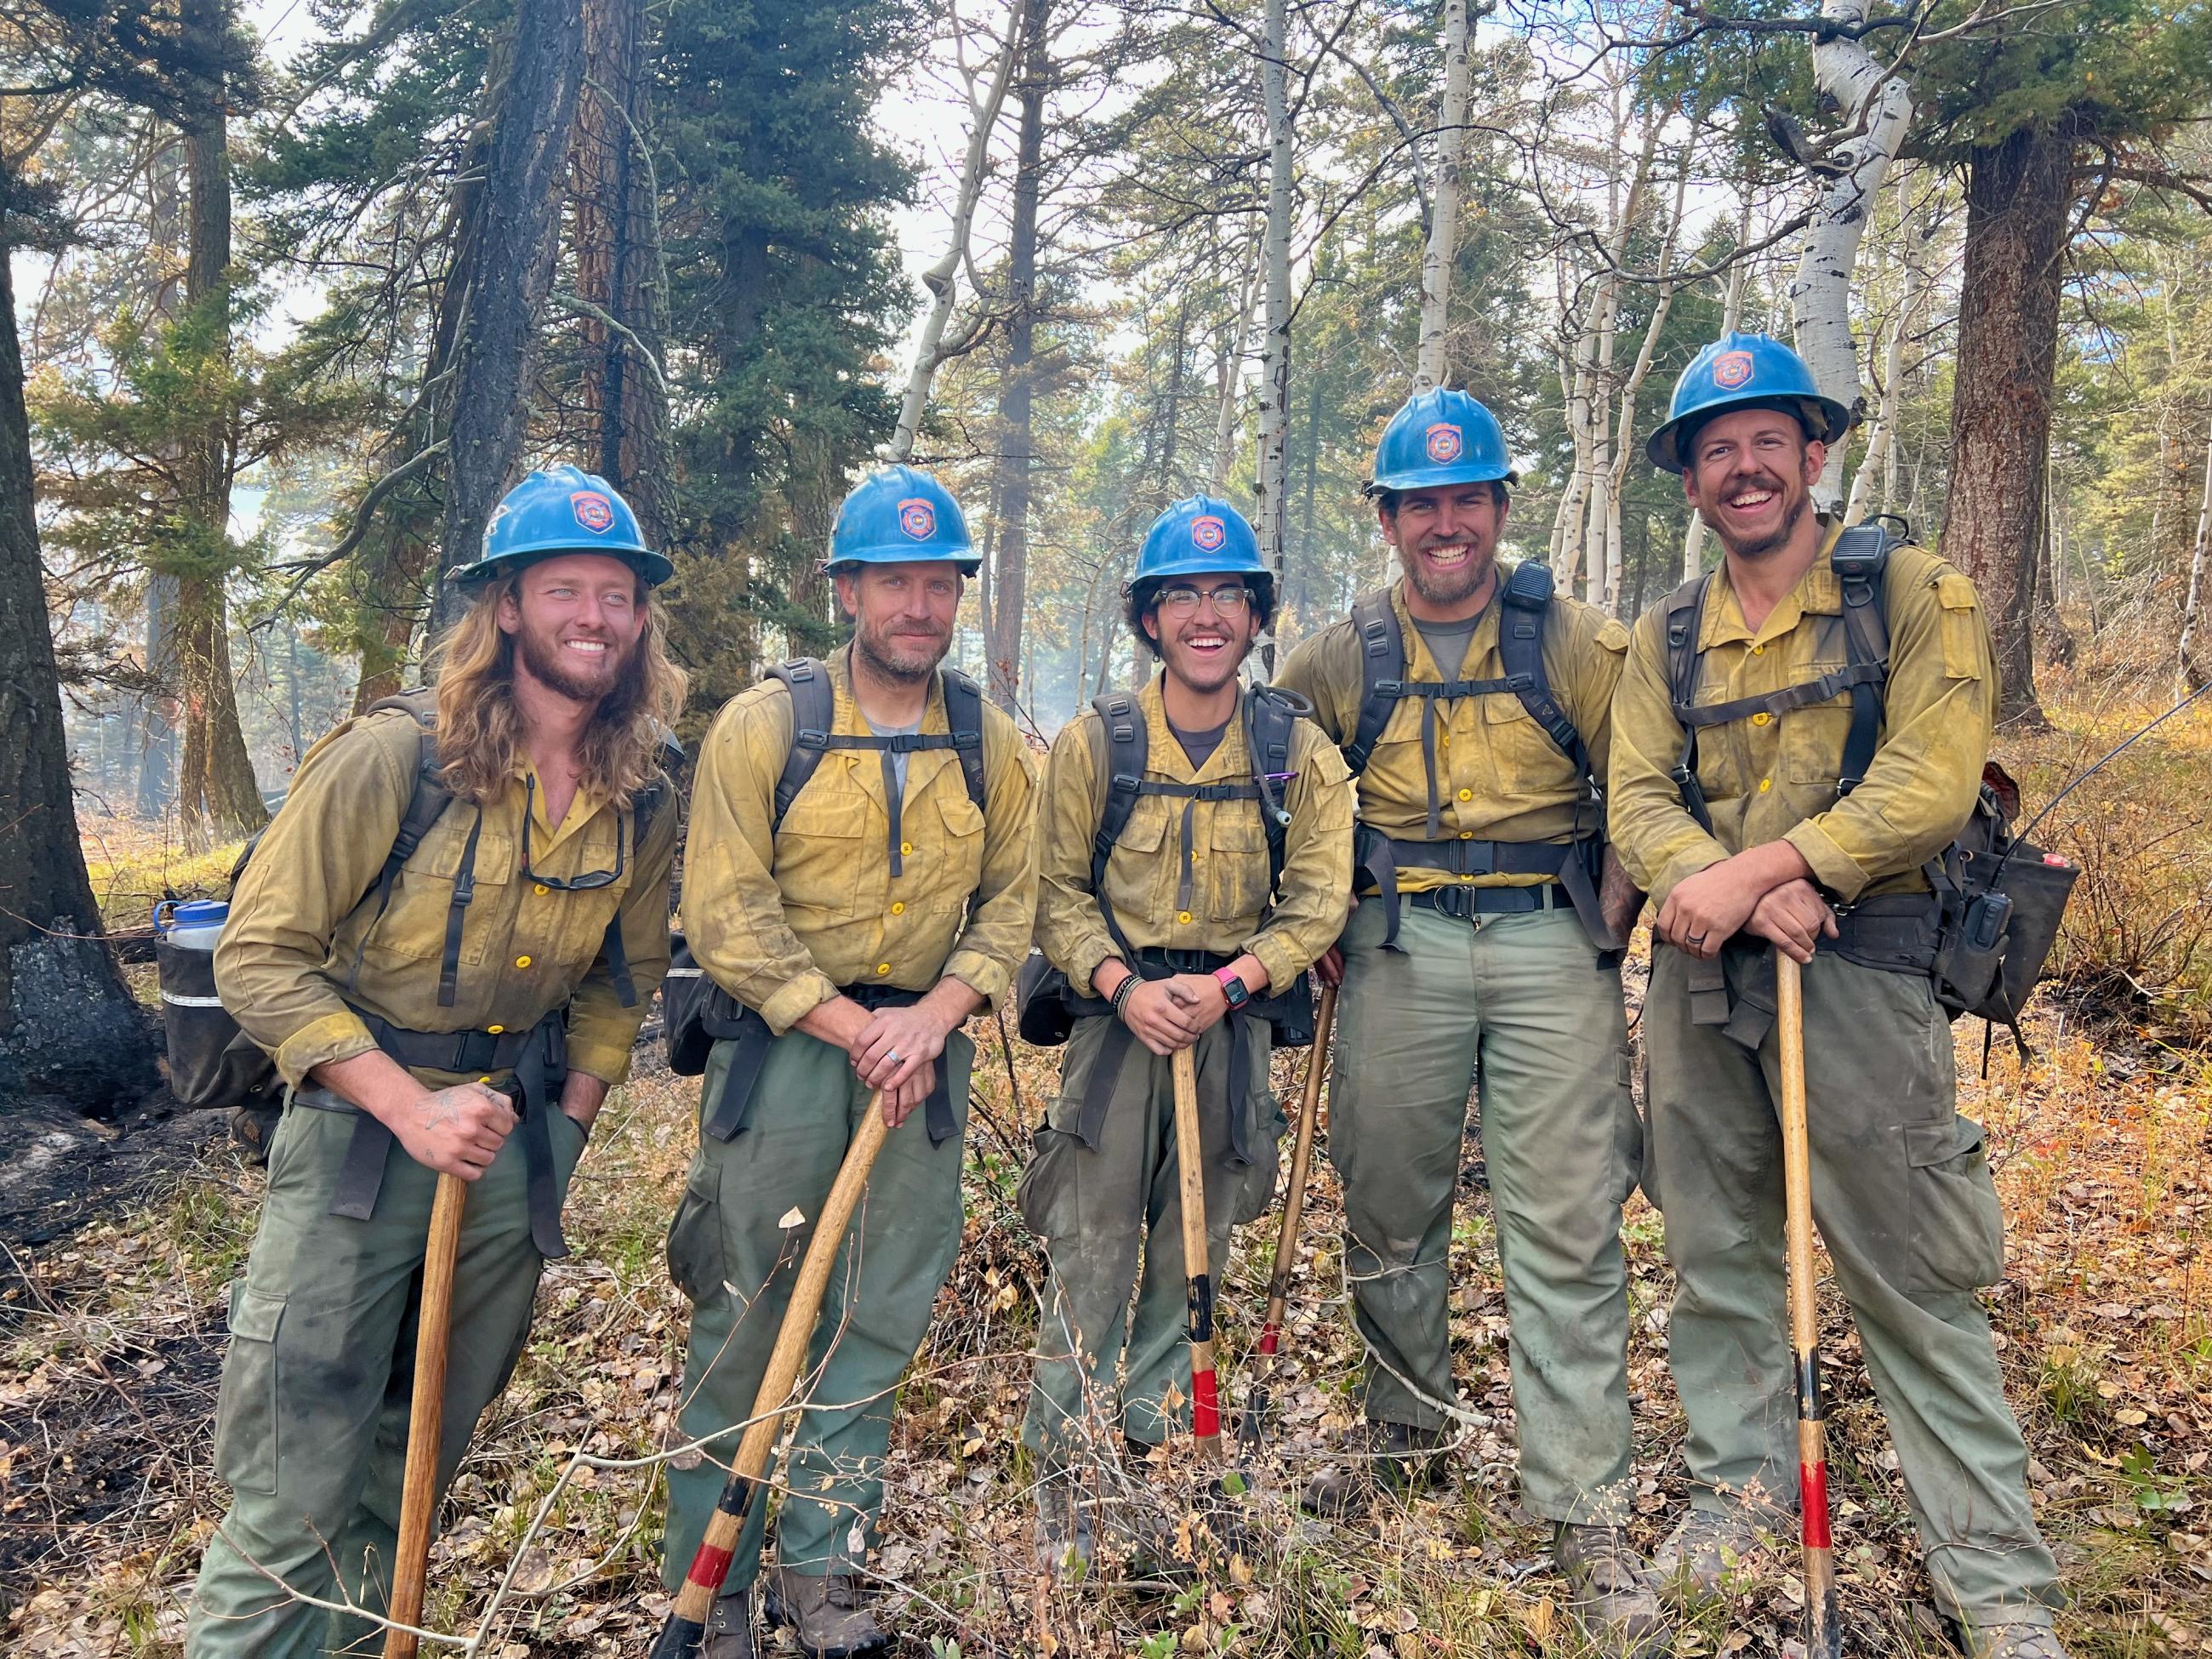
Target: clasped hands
pixel 1765 891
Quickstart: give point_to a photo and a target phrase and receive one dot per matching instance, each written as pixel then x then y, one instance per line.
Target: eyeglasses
pixel 1183 601
pixel 586 883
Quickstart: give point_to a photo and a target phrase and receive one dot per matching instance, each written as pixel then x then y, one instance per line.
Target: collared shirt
pixel 1208 893
pixel 1498 774
pixel 305 908
pixel 782 919
pixel 1771 777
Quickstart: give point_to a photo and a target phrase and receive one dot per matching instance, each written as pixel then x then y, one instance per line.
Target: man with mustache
pixel 858 910
pixel 1175 935
pixel 1749 828
pixel 466 886
pixel 1467 962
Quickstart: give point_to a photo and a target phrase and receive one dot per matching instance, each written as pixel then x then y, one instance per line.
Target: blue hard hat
pixel 561 509
pixel 1441 437
pixel 1743 371
pixel 897 514
pixel 1199 535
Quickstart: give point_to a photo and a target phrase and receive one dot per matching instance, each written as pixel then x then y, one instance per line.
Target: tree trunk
pixel 1880 458
pixel 497 351
pixel 217 797
pixel 1229 366
pixel 68 1026
pixel 1017 389
pixel 618 263
pixel 1875 104
pixel 1694 540
pixel 2018 195
pixel 1275 393
pixel 2194 673
pixel 1437 256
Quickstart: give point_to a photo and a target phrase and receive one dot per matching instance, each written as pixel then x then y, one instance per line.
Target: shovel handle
pixel 1294 1201
pixel 1823 1627
pixel 426 1415
pixel 1190 1170
pixel 687 1620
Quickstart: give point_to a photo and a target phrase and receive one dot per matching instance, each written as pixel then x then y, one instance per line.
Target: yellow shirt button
pixel 522 961
pixel 883 967
pixel 1467 835
pixel 1467 794
pixel 1758 650
pixel 898 907
pixel 1183 915
pixel 541 889
pixel 494 1029
pixel 1761 718
pixel 1765 784
pixel 906 849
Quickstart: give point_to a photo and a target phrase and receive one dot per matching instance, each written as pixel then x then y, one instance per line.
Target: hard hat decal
pixel 593 511
pixel 1731 369
pixel 918 518
pixel 1444 442
pixel 1207 532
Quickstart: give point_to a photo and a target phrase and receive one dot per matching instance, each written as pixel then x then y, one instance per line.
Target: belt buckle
pixel 1466 862
pixel 469 1051
pixel 1457 902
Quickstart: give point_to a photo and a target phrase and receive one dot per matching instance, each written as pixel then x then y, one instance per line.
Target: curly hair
pixel 1137 600
pixel 480 737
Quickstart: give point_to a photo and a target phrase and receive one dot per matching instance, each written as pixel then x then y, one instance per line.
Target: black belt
pixel 1099 1094
pixel 730 1112
pixel 1895 933
pixel 1467 903
pixel 1380 857
pixel 538 1057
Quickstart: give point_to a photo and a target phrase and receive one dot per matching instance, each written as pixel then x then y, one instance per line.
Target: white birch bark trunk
pixel 1876 107
pixel 1275 389
pixel 942 279
pixel 1428 362
pixel 1693 541
pixel 2193 673
pixel 1230 378
pixel 1624 438
pixel 1879 461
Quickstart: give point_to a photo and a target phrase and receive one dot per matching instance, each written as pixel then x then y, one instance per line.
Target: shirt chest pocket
pixel 1235 849
pixel 823 867
pixel 1394 789
pixel 946 866
pixel 582 916
pixel 1141 875
pixel 1813 736
pixel 1522 757
pixel 415 924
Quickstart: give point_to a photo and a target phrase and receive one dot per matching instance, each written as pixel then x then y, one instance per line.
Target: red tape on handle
pixel 1812 1493
pixel 1204 1407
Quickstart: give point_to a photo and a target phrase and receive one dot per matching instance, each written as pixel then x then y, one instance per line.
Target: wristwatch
pixel 1233 988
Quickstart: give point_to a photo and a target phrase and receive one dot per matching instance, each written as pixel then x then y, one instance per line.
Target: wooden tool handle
pixel 426 1416
pixel 687 1621
pixel 1823 1627
pixel 1190 1170
pixel 1294 1201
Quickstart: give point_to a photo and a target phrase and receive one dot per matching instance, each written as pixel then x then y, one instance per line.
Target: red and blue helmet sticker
pixel 918 518
pixel 593 511
pixel 1207 532
pixel 1731 369
pixel 1444 441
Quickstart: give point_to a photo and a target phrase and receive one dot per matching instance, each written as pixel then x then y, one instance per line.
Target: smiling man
pixel 465 885
pixel 859 882
pixel 1805 728
pixel 1474 705
pixel 1195 857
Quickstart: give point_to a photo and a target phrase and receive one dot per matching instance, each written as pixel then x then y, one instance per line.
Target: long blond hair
pixel 480 731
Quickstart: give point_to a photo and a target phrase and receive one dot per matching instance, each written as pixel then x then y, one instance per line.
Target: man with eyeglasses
pixel 1474 705
pixel 859 881
pixel 1194 855
pixel 467 886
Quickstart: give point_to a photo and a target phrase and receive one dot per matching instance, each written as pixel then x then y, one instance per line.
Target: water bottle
pixel 193 924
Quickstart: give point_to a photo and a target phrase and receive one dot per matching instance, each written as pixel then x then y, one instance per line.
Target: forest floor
pixel 111 1333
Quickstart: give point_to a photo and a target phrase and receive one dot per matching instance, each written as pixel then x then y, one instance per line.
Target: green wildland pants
pixel 730 1253
pixel 1521 1003
pixel 1904 1201
pixel 1098 1210
pixel 311 1433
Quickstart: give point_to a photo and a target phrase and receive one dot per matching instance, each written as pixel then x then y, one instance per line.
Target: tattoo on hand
pixel 441 1110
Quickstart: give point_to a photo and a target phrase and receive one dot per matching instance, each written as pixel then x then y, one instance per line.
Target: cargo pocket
pixel 1954 1237
pixel 1047 1198
pixel 698 1260
pixel 246 1448
pixel 1627 1131
pixel 1265 1127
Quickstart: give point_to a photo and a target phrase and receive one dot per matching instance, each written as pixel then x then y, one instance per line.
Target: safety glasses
pixel 584 884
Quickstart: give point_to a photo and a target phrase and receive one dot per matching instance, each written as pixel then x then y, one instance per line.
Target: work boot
pixel 1609 1592
pixel 1704 1550
pixel 826 1613
pixel 2013 1641
pixel 1377 1455
pixel 730 1629
pixel 1063 1528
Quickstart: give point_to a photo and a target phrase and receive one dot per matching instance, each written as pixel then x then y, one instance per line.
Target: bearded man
pixel 465 886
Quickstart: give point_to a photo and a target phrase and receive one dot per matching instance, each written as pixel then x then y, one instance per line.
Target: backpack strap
pixel 1682 618
pixel 963 714
pixel 814 711
pixel 1860 559
pixel 1271 715
pixel 424 807
pixel 642 806
pixel 1382 673
pixel 1528 601
pixel 1123 771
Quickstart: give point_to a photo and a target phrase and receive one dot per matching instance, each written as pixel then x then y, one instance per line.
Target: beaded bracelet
pixel 1123 992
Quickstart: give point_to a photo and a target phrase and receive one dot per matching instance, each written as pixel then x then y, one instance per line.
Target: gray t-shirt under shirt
pixel 1448 642
pixel 1199 746
pixel 899 759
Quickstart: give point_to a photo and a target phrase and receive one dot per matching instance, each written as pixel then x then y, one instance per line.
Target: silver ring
pixel 1697 938
pixel 893 1056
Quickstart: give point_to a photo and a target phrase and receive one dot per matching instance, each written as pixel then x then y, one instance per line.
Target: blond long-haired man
pixel 465 886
